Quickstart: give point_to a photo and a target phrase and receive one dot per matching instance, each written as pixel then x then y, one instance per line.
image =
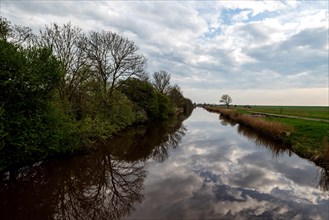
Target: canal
pixel 203 168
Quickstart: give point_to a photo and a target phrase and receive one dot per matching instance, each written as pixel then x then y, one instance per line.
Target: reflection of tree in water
pixel 226 121
pixel 171 140
pixel 92 187
pixel 324 176
pixel 103 185
pixel 108 191
pixel 153 141
pixel 277 149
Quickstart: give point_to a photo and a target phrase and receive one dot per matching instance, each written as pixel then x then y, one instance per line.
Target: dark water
pixel 205 168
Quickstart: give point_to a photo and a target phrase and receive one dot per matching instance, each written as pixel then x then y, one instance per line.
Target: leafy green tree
pixel 120 111
pixel 31 127
pixel 176 96
pixel 165 107
pixel 144 97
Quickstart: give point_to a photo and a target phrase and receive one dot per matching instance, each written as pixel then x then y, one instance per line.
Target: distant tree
pixel 162 81
pixel 226 99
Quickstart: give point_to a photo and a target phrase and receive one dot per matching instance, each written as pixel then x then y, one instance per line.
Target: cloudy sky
pixel 259 52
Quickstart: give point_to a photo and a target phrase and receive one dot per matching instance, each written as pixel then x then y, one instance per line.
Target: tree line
pixel 64 89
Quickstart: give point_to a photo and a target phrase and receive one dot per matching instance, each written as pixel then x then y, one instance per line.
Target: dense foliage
pixel 31 128
pixel 64 89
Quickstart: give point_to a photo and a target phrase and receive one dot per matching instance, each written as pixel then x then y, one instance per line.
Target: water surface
pixel 205 168
pixel 224 171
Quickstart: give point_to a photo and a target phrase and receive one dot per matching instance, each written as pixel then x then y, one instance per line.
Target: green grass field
pixel 309 137
pixel 321 112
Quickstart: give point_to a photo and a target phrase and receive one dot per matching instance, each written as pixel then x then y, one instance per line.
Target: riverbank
pixel 308 139
pixel 272 129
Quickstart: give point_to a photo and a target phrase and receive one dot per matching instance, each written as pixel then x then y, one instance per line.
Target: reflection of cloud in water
pixel 227 177
pixel 278 149
pixel 172 186
pixel 203 195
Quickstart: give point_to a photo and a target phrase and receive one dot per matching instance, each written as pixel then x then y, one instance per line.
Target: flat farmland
pixel 321 112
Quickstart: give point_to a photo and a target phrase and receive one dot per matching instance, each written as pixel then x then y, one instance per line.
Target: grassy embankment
pixel 308 139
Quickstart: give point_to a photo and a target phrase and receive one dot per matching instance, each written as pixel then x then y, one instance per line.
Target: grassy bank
pixel 308 139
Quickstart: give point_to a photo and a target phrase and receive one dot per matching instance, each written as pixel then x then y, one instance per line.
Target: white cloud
pixel 277 45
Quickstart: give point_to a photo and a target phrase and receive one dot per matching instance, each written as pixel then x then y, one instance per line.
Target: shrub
pixel 119 112
pixel 144 96
pixel 164 106
pixel 276 130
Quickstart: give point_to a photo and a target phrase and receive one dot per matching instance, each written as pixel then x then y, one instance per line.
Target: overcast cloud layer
pixel 259 52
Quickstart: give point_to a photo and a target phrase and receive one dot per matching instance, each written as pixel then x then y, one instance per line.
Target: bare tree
pixel 66 42
pixel 114 59
pixel 162 81
pixel 16 34
pixel 5 28
pixel 226 99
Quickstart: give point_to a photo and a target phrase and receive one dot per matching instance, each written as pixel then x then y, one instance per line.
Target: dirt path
pixel 290 116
